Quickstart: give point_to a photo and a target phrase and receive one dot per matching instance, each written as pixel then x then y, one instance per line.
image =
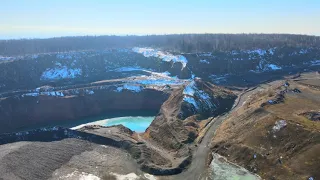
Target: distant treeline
pixel 185 43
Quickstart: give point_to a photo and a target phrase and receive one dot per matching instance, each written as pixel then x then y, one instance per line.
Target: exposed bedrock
pixel 165 147
pixel 20 112
pixel 177 124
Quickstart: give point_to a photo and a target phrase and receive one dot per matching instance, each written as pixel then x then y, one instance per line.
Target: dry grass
pixel 292 107
pixel 135 136
pixel 248 131
pixel 146 135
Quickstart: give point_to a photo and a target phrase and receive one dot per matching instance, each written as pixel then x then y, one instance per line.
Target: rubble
pixel 279 125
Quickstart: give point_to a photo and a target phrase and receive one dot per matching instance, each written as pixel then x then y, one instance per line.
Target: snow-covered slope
pixel 35 70
pixel 164 56
pixel 58 73
pixel 198 98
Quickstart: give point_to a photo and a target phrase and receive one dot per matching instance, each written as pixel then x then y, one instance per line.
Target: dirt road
pixel 198 169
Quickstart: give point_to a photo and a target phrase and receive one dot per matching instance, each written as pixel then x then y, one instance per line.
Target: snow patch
pixel 191 100
pixel 128 69
pixel 303 51
pixel 165 74
pixel 260 52
pixel 60 73
pixel 158 81
pixel 90 92
pixel 149 177
pixel 273 67
pixel 31 94
pixel 203 95
pixel 133 88
pixel 81 176
pixel 58 64
pixel 130 176
pixel 63 56
pixel 149 52
pixel 190 89
pixel 191 93
pixel 6 58
pixel 47 93
pixel 265 66
pixel 272 50
pixel 52 93
pixel 193 76
pixel 279 125
pixel 86 176
pixel 204 61
pixel 209 54
pixel 315 62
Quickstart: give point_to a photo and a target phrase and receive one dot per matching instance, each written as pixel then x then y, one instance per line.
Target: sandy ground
pixel 65 159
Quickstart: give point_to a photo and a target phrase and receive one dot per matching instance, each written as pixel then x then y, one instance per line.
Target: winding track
pixel 198 169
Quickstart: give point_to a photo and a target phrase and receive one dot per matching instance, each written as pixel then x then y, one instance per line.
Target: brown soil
pixel 291 153
pixel 173 133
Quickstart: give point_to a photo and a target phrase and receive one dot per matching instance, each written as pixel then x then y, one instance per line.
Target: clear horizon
pixel 45 19
pixel 138 35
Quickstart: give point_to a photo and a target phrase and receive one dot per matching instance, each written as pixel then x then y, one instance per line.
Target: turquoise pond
pixel 135 123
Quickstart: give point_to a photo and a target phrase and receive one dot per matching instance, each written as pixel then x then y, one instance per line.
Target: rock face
pixel 177 122
pixel 29 110
pixel 70 68
pixel 313 116
pixel 59 69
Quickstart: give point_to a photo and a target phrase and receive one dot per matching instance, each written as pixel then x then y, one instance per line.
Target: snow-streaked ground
pixel 273 67
pixel 149 52
pixel 133 88
pixel 129 69
pixel 156 80
pixel 133 176
pixel 191 100
pixel 80 176
pixel 279 125
pixel 196 97
pixel 47 93
pixel 204 61
pixel 76 175
pixel 315 62
pixel 60 73
pixel 266 66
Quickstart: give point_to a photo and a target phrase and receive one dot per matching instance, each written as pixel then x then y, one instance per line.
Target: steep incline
pixel 270 134
pixel 179 121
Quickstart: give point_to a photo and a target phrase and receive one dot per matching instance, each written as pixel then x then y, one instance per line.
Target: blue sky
pixel 49 18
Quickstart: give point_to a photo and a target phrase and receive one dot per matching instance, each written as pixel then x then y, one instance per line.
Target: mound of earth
pixel 183 115
pixel 274 141
pixel 60 153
